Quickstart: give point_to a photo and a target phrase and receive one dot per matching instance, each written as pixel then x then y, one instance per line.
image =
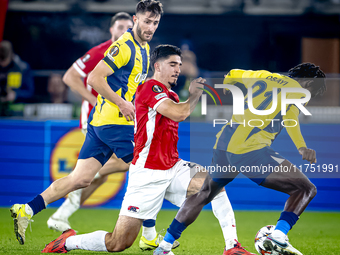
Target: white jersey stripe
pixel 80 64
pixel 79 70
pixel 159 102
pixel 150 129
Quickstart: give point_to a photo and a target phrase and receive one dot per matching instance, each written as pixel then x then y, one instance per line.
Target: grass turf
pixel 315 233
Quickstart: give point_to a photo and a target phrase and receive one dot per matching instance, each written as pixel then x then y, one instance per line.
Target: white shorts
pixel 147 189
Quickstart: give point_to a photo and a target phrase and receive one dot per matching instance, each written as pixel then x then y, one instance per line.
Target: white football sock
pixel 94 241
pixel 28 210
pixel 224 213
pixel 70 205
pixel 149 233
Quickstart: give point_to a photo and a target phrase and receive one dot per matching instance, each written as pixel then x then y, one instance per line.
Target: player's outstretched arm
pixel 74 80
pixel 175 111
pixel 180 111
pixel 98 82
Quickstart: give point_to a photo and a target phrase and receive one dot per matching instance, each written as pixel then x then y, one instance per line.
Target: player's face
pixel 119 28
pixel 170 69
pixel 146 25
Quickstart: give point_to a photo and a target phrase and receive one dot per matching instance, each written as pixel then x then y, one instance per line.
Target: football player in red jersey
pixel 156 172
pixel 76 78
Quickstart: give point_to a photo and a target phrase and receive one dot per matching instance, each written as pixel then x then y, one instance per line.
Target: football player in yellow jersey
pixel 76 77
pixel 110 125
pixel 241 145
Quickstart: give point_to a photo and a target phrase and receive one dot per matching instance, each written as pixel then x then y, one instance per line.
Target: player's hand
pixel 308 154
pixel 128 110
pixel 196 86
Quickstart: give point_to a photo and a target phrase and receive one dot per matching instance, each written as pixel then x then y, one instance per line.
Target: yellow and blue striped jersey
pixel 244 137
pixel 129 62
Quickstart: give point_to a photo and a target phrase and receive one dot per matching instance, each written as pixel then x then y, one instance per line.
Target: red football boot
pixel 237 250
pixel 58 245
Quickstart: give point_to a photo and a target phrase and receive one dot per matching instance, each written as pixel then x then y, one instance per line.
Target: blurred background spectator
pixel 16 81
pixel 57 89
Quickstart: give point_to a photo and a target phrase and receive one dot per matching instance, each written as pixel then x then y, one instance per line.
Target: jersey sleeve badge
pixel 114 51
pixel 157 89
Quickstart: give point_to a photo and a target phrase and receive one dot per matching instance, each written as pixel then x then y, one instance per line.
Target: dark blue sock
pixel 149 223
pixel 174 231
pixel 286 221
pixel 37 204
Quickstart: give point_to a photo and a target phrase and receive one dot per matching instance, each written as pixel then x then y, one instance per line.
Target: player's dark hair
pixel 119 16
pixel 163 51
pixel 155 7
pixel 309 70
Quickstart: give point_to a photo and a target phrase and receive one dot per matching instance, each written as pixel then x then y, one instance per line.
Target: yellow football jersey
pixel 251 131
pixel 129 62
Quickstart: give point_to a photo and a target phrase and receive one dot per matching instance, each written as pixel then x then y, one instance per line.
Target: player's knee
pixel 78 181
pixel 311 191
pixel 82 183
pixel 307 188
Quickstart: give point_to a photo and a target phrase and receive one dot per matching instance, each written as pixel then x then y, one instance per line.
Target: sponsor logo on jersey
pixel 140 77
pixel 133 209
pixel 157 89
pixel 159 96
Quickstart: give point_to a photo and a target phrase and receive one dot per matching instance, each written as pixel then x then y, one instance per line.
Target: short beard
pixel 173 84
pixel 139 33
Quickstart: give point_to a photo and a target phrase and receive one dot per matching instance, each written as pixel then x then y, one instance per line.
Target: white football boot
pixel 285 248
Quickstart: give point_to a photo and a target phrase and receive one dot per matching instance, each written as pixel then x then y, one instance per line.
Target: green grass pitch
pixel 315 233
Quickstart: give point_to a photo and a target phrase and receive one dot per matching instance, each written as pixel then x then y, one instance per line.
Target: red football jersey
pixel 84 66
pixel 156 136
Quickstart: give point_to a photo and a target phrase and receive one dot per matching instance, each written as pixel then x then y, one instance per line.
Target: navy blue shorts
pixel 256 165
pixel 101 142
